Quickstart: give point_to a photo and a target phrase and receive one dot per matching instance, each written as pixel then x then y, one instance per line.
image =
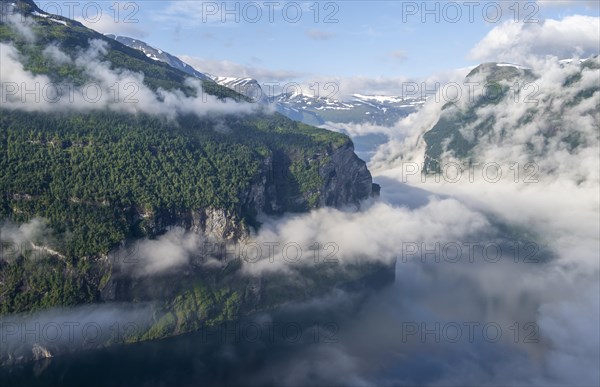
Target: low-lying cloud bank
pixel 539 121
pixel 118 90
pixel 35 230
pixel 62 330
pixel 543 296
pixel 528 316
pixel 516 42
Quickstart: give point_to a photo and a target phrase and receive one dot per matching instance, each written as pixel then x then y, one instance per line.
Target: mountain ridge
pixel 311 110
pixel 465 128
pixel 101 176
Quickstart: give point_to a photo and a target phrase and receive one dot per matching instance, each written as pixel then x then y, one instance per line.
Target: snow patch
pixel 511 65
pixel 36 13
pixel 64 23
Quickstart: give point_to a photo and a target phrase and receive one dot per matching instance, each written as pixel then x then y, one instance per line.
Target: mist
pixel 118 90
pixel 73 329
pixel 497 280
pixel 538 287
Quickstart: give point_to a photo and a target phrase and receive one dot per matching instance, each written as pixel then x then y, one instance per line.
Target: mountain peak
pixel 22 6
pixel 158 55
pixel 498 71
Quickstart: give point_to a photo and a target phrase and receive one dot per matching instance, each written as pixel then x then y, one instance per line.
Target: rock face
pixel 346 178
pixel 215 223
pixel 344 181
pixel 39 352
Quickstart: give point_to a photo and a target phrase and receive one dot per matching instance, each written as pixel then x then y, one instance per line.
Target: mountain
pixel 245 86
pixel 359 109
pixel 105 173
pixel 159 55
pixel 521 110
pixel 311 110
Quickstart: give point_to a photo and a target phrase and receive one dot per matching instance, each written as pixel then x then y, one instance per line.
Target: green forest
pixel 89 175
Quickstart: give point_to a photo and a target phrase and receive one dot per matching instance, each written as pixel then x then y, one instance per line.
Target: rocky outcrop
pixel 38 352
pixel 346 179
pixel 214 223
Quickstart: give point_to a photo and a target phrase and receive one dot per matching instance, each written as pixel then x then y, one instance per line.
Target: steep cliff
pixel 106 175
pixel 332 176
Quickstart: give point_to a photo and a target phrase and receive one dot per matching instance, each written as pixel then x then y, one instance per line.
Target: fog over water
pixel 497 281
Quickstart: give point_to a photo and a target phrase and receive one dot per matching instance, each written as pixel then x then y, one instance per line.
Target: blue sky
pixel 346 39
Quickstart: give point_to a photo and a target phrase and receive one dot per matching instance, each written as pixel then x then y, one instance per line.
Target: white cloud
pixel 165 254
pixel 21 24
pixel 354 130
pixel 398 55
pixel 590 4
pixel 366 234
pixel 99 92
pixel 56 55
pixel 224 68
pixel 571 36
pixel 317 34
pixel 337 87
pixel 561 212
pixel 35 231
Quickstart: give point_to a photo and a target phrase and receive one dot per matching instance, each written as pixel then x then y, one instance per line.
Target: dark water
pixel 235 354
pixel 345 338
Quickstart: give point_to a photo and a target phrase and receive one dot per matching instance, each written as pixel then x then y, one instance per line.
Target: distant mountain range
pixel 373 109
pixel 359 108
